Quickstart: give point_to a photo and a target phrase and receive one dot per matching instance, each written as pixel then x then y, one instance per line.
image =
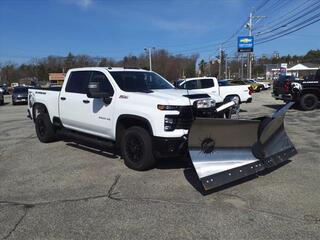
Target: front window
pixel 134 81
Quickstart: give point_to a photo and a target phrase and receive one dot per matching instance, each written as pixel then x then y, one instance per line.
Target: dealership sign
pixel 283 69
pixel 245 44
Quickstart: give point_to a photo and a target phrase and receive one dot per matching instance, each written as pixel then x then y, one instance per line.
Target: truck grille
pixel 184 119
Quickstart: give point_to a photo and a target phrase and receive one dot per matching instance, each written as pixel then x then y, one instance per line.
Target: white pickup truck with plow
pixel 146 118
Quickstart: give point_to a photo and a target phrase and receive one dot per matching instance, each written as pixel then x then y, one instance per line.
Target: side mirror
pixel 94 91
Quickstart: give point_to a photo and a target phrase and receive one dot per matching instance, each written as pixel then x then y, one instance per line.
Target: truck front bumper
pixel 169 147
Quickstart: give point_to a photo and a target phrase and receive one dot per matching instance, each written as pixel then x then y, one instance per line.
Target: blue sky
pixel 115 28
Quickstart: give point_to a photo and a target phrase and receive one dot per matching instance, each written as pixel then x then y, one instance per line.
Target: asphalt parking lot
pixel 63 190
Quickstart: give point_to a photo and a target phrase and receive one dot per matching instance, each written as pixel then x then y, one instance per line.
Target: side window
pixel 191 84
pixel 182 86
pixel 78 82
pixel 105 85
pixel 207 83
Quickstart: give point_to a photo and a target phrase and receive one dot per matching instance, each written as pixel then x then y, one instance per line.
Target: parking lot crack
pixel 25 211
pixel 111 192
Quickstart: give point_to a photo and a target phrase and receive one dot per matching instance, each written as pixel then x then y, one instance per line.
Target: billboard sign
pixel 245 44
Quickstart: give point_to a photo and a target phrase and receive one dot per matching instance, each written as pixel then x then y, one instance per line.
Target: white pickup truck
pixel 146 118
pixel 131 107
pixel 211 86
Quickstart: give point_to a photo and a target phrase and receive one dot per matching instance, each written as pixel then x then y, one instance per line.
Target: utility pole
pixel 150 53
pixel 226 66
pixel 249 53
pixel 220 61
pixel 250 29
pixel 241 67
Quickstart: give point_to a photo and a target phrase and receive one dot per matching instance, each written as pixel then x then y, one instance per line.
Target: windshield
pixel 20 90
pixel 134 81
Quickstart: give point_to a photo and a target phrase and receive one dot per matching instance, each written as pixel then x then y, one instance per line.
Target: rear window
pixel 206 83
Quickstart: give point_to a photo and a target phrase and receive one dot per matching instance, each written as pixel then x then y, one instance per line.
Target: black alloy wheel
pixel 136 149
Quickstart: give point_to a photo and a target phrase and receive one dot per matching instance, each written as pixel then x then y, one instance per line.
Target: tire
pixel 136 149
pixel 45 130
pixel 2 102
pixel 309 102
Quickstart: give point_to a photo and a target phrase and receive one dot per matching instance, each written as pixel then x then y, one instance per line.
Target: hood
pixel 20 94
pixel 171 96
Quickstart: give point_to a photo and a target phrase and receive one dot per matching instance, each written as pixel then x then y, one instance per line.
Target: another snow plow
pixel 226 150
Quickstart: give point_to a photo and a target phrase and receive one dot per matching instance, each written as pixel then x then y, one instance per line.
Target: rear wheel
pixel 136 149
pixel 44 128
pixel 309 102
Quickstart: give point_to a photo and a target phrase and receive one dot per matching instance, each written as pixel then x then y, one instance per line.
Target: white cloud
pixel 85 3
pixel 81 3
pixel 176 26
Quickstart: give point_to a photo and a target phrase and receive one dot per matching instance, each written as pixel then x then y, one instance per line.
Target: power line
pixel 284 34
pixel 302 15
pixel 262 5
pixel 287 16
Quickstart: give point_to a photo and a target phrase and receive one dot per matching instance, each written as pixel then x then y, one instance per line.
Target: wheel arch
pixel 232 95
pixel 126 121
pixel 312 91
pixel 38 108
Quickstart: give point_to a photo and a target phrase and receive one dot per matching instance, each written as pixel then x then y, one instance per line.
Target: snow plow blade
pixel 226 150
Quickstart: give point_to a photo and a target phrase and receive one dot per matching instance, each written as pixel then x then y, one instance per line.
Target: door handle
pixel 63 98
pixel 85 101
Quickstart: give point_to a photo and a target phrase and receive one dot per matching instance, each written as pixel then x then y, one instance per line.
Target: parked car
pixel 20 95
pixel 305 93
pixel 216 89
pixel 1 97
pixel 266 85
pixel 5 89
pixel 256 87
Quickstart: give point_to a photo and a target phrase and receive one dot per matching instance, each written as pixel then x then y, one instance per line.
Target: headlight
pixel 205 103
pixel 168 107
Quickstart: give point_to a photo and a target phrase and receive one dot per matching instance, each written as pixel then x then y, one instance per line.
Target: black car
pixel 1 98
pixel 20 95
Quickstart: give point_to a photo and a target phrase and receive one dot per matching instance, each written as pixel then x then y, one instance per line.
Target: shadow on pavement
pixel 274 106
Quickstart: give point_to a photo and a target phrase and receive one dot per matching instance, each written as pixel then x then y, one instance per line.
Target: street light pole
pixel 150 53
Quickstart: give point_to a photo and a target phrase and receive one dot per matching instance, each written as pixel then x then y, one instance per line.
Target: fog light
pixel 169 123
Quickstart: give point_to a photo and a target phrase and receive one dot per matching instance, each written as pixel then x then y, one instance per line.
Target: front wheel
pixel 136 149
pixel 309 102
pixel 44 128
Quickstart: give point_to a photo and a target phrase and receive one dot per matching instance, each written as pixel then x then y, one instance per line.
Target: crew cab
pixel 305 93
pixel 137 110
pixel 220 91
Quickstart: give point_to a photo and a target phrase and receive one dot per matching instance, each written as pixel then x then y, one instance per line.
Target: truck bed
pixel 47 97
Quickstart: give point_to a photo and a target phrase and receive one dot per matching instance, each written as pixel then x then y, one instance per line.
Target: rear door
pixel 73 111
